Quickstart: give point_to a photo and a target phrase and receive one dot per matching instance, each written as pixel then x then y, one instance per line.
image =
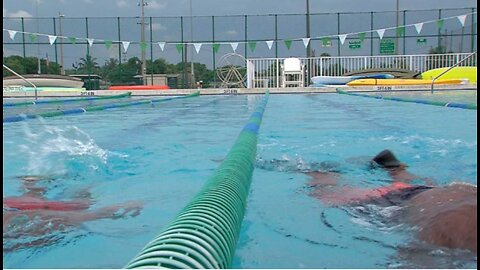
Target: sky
pixel 157 8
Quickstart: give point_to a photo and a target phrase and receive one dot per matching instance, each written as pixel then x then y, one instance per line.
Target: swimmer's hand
pixel 131 209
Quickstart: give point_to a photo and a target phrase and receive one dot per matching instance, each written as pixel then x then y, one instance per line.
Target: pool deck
pixel 239 91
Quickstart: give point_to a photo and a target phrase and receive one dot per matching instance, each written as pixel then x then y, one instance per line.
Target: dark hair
pixel 386 159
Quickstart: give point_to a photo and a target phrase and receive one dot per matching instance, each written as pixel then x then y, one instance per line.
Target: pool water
pixel 161 155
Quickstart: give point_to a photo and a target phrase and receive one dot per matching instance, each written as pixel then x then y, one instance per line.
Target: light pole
pixel 60 16
pixel 192 83
pixel 142 37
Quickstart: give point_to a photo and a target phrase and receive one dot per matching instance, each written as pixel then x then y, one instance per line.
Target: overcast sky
pixel 226 28
pixel 114 8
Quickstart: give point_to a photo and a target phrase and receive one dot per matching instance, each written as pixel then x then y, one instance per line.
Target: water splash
pixel 52 150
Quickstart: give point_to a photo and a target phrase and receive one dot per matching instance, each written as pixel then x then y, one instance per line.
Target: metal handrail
pixel 21 77
pixel 450 68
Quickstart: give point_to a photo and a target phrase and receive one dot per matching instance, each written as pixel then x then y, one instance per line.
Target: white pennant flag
pixel 125 45
pixel 462 19
pixel 162 45
pixel 342 38
pixel 305 41
pixel 90 41
pixel 418 27
pixel 52 39
pixel 197 47
pixel 234 46
pixel 269 44
pixel 12 34
pixel 380 33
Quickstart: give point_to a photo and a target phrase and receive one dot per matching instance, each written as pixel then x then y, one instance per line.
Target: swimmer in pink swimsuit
pixel 31 215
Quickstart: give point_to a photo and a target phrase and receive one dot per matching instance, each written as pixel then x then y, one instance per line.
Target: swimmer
pixel 443 216
pixel 31 215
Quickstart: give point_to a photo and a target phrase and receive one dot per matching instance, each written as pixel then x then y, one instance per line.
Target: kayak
pixel 469 73
pixel 368 82
pixel 139 87
pixel 342 80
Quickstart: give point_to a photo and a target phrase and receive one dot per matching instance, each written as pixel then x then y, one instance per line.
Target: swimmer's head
pixel 387 159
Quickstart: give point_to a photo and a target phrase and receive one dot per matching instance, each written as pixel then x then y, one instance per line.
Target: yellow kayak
pixel 368 82
pixel 469 73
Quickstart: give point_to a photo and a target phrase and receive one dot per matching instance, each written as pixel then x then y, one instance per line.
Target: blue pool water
pixel 161 155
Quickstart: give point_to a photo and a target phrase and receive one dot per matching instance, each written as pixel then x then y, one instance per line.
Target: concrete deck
pixel 238 91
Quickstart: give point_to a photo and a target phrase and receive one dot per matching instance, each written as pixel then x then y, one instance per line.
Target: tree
pixel 87 64
pixel 29 65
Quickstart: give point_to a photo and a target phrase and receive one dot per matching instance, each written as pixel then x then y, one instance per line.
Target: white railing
pixel 266 72
pixel 21 77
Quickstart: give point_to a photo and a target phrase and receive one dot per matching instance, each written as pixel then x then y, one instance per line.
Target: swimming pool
pixel 163 154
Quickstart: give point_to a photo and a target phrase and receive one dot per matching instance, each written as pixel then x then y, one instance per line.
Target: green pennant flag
pixel 400 31
pixel 325 41
pixel 143 46
pixel 216 47
pixel 33 37
pixel 72 40
pixel 440 24
pixel 288 43
pixel 252 45
pixel 361 36
pixel 179 48
pixel 108 44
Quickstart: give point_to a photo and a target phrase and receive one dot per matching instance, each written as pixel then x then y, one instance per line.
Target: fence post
pixel 88 48
pixel 276 37
pixel 404 33
pixel 56 52
pixel 151 50
pixel 184 77
pixel 439 30
pixel 473 31
pixel 24 51
pixel 246 36
pixel 213 53
pixel 119 38
pixel 410 65
pixel 338 32
pixel 371 33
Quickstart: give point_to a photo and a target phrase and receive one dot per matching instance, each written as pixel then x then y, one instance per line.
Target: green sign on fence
pixel 387 46
pixel 355 44
pixel 421 41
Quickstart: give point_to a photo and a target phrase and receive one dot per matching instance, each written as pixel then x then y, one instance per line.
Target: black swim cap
pixel 386 159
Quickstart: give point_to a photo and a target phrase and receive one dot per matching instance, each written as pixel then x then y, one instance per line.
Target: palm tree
pixel 88 63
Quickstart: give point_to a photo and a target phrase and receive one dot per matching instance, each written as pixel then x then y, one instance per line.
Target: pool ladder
pixel 21 77
pixel 450 68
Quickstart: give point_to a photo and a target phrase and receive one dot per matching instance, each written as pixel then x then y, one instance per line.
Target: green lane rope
pixel 38 102
pixel 420 101
pixel 18 118
pixel 205 232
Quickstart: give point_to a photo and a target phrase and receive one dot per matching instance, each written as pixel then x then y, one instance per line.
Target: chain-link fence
pixel 218 34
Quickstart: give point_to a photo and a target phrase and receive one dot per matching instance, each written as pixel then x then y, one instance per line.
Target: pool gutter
pixel 242 91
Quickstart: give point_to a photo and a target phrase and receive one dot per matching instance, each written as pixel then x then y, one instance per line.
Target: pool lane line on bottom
pixel 205 233
pixel 419 101
pixel 72 100
pixel 18 118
